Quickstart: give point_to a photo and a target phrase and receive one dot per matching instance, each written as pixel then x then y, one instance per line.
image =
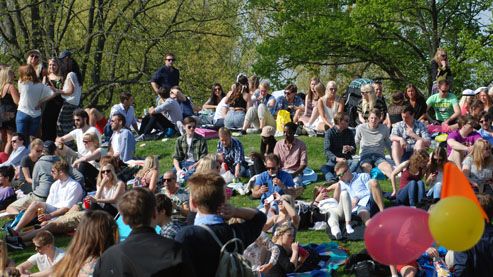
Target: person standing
pixel 167 76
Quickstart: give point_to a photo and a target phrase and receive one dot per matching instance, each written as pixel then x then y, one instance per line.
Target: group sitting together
pixel 58 175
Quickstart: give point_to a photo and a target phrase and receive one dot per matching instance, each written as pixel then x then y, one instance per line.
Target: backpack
pixel 362 265
pixel 231 263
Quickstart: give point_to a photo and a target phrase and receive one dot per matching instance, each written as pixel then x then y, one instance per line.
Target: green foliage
pixel 392 40
pixel 120 43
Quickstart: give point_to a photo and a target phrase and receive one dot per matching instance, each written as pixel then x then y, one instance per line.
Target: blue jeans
pixel 328 169
pixel 412 193
pixel 27 125
pixel 234 119
pixel 435 191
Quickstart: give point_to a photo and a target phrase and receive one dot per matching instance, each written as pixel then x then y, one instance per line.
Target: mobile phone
pixel 270 199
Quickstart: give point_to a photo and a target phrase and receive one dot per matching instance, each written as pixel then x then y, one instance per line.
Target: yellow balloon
pixel 456 223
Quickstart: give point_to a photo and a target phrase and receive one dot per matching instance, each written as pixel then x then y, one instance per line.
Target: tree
pixel 396 37
pixel 119 43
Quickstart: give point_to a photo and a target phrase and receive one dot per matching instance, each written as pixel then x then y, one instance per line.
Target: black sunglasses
pixel 342 173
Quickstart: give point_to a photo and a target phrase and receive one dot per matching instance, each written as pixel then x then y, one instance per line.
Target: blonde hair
pixel 438 55
pixel 92 137
pixel 479 158
pixel 150 163
pixel 114 179
pixel 368 105
pixel 281 230
pixel 6 76
pixel 207 163
pixel 4 259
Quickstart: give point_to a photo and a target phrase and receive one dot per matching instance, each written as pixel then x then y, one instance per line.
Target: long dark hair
pixel 72 66
pixel 214 100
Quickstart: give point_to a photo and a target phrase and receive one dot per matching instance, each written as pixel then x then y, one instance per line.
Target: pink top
pixel 291 159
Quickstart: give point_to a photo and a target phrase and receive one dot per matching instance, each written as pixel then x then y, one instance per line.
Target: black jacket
pixel 477 261
pixel 203 250
pixel 143 253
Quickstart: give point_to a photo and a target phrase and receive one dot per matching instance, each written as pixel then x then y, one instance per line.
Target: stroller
pixel 352 97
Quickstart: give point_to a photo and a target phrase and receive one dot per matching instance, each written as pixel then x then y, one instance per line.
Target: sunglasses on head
pixel 342 173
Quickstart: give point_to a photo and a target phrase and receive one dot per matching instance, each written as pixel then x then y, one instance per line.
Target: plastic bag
pixel 283 117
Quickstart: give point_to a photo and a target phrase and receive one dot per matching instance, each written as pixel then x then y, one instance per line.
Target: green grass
pixel 164 150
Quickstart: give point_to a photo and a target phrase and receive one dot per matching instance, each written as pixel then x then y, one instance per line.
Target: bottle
pixel 440 267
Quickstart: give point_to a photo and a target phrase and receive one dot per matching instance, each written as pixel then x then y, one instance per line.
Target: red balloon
pixel 398 235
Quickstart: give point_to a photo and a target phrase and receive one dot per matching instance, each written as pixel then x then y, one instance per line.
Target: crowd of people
pixel 66 168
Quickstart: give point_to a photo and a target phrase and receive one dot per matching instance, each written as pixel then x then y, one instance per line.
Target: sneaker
pixel 349 229
pixel 336 232
pixel 15 243
pixel 12 232
pixel 253 131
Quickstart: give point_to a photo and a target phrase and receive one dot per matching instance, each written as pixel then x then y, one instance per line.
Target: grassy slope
pixel 165 151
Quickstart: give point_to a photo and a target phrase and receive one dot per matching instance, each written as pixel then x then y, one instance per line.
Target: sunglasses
pixel 39 151
pixel 86 141
pixel 271 168
pixel 170 60
pixel 191 127
pixel 332 88
pixel 14 141
pixel 483 121
pixel 342 173
pixel 37 246
pixel 168 180
pixel 105 171
pixel 34 56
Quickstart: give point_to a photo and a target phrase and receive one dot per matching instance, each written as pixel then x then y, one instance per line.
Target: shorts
pixel 100 125
pixel 373 159
pixel 24 202
pixel 370 207
pixel 66 223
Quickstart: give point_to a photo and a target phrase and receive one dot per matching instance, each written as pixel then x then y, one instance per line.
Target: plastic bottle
pixel 440 267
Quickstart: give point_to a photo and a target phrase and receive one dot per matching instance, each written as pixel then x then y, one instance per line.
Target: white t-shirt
pixel 64 194
pixel 42 261
pixel 73 99
pixel 114 141
pixel 30 96
pixel 78 136
pixel 220 114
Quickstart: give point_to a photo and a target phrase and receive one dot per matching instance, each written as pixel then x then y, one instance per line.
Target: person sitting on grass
pixel 288 259
pixel 122 142
pixel 169 227
pixel 460 142
pixel 339 206
pixel 478 167
pixel 434 172
pixel 108 191
pixel 178 195
pixel 207 198
pixel 408 135
pixel 148 176
pixel 96 233
pixel 273 180
pixel 287 212
pixel 411 187
pixel 339 146
pixel 64 193
pixel 47 255
pixel 366 194
pixel 189 148
pixel 373 139
pixel 143 253
pixel 292 153
pixel 7 193
pixel 230 151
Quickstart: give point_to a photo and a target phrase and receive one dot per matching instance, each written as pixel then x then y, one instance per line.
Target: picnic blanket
pixel 332 256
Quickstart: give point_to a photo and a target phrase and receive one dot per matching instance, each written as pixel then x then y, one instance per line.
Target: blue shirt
pixel 126 144
pixel 233 154
pixel 265 179
pixel 282 104
pixel 265 101
pixel 359 188
pixel 129 114
pixel 486 135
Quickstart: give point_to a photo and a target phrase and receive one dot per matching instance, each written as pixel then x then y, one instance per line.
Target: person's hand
pixel 263 189
pixel 354 202
pixel 266 205
pixel 340 159
pixel 276 181
pixel 432 252
pixel 44 217
pixel 295 247
pixel 227 211
pixel 393 193
pixel 265 268
pixel 469 149
pixel 443 63
pixel 151 110
pixel 277 196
